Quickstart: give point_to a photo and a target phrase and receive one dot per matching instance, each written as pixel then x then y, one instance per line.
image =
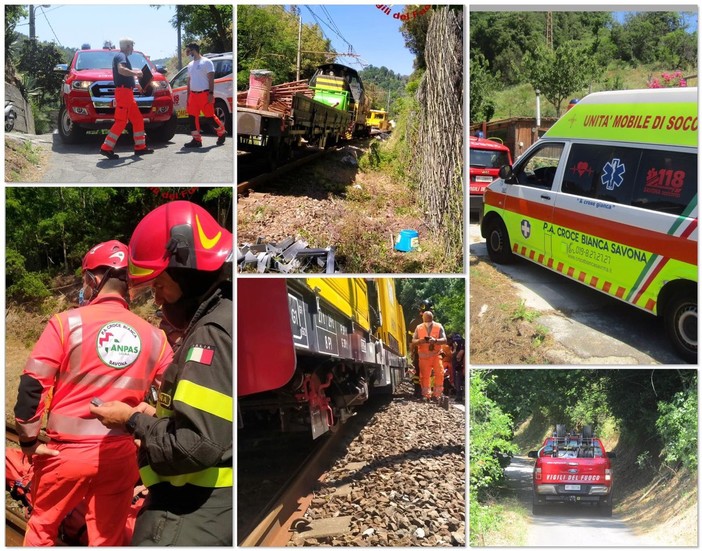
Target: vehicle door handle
pixel 547 197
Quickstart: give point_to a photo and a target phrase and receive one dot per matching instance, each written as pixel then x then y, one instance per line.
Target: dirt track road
pixel 169 164
pixel 565 525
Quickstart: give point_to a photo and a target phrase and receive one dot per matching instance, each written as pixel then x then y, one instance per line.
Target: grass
pixel 519 101
pixel 22 161
pixel 503 525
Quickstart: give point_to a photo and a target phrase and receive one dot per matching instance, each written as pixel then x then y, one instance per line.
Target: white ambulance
pixel 608 197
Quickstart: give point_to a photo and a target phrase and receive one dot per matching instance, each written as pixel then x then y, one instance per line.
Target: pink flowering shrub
pixel 668 80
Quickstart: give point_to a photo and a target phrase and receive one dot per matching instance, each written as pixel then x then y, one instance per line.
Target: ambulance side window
pixel 540 168
pixel 601 172
pixel 666 182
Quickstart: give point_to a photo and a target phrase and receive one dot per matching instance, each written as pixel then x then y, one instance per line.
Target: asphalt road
pixel 589 326
pixel 169 164
pixel 566 525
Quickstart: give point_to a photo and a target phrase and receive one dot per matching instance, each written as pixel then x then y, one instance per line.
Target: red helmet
pixel 179 234
pixel 110 254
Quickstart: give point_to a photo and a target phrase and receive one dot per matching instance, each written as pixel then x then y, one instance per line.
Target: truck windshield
pixel 103 60
pixel 488 159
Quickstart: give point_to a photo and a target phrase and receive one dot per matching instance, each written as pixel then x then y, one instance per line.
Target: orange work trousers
pixel 126 110
pixel 197 103
pixel 103 474
pixel 426 366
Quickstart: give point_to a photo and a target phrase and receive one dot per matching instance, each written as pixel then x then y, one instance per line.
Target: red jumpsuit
pixel 126 110
pixel 429 356
pixel 100 350
pixel 197 102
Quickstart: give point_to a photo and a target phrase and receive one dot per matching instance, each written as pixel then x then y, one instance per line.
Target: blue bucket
pixel 407 240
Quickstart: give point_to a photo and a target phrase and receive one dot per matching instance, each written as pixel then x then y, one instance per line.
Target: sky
pixel 372 33
pixel 66 25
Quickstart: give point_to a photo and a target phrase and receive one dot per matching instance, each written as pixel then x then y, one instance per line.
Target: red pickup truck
pixel 88 93
pixel 572 467
pixel 486 158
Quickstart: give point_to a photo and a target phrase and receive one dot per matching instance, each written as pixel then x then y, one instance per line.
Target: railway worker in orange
pixel 126 108
pixel 185 456
pixel 100 351
pixel 428 337
pixel 201 96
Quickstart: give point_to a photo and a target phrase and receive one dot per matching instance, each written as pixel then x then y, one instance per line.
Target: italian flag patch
pixel 201 353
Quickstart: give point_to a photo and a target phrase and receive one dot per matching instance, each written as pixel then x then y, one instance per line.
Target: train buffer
pixel 291 255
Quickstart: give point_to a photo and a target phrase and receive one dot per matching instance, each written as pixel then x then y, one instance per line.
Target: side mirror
pixel 612 455
pixel 162 69
pixel 533 454
pixel 61 68
pixel 506 173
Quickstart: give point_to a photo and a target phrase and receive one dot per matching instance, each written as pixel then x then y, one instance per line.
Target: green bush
pixel 677 427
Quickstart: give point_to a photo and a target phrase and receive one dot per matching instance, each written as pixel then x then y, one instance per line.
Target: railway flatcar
pixel 311 350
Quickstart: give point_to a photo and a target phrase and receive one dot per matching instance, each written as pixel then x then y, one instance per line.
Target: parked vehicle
pixel 88 93
pixel 608 198
pixel 572 467
pixel 486 158
pixel 10 116
pixel 223 90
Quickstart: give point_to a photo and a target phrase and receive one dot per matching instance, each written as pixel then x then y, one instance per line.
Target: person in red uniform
pixel 100 350
pixel 126 108
pixel 201 96
pixel 185 456
pixel 428 337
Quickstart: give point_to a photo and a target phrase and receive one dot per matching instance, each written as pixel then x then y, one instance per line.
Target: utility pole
pixel 180 47
pixel 389 94
pixel 299 48
pixel 32 24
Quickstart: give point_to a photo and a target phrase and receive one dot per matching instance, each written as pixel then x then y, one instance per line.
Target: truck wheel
pixel 606 508
pixel 537 508
pixel 560 431
pixel 680 320
pixel 165 132
pixel 69 131
pixel 587 431
pixel 497 241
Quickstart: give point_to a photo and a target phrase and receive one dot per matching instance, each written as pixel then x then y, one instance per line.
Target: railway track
pixel 273 526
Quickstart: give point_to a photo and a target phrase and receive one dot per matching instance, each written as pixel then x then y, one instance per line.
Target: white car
pixel 224 102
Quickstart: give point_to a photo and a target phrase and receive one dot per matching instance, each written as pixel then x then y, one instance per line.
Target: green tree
pixel 267 39
pixel 558 73
pixel 37 60
pixel 211 25
pixel 482 85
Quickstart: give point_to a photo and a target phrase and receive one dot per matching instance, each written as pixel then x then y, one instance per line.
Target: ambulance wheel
pixel 223 114
pixel 497 241
pixel 680 319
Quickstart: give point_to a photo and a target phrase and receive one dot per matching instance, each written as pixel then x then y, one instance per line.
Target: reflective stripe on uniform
pixel 41 369
pixel 214 477
pixel 205 399
pixel 66 425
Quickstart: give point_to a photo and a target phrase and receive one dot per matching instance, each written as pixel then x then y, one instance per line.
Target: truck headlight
pixel 159 84
pixel 81 84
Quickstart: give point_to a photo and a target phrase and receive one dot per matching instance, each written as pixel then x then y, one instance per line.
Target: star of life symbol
pixel 613 174
pixel 526 228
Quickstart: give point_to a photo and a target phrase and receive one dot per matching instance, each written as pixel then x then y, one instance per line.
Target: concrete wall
pixel 25 120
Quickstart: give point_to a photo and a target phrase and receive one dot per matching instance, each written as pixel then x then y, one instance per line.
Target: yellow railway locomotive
pixel 311 350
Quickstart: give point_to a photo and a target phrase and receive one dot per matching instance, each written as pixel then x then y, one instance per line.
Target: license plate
pixel 572 487
pixel 487 179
